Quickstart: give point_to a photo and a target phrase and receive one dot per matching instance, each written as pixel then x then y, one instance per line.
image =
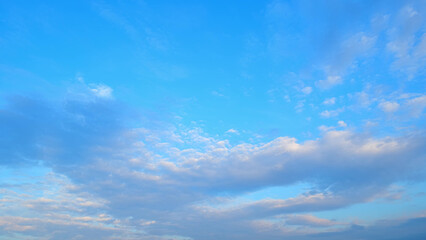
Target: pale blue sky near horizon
pixel 261 119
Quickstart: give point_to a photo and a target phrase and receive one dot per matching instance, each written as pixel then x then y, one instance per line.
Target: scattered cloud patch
pixel 329 101
pixel 416 105
pixel 329 82
pixel 342 124
pixel 408 42
pixel 102 91
pixel 233 131
pixel 217 94
pixel 300 106
pixel 389 107
pixel 324 128
pixel 309 220
pixel 331 113
pixel 307 90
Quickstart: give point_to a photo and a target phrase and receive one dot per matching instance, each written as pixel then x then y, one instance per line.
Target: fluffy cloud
pixel 233 131
pixel 102 91
pixel 162 177
pixel 389 107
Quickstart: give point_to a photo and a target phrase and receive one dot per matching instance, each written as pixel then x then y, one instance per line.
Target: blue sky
pixel 207 120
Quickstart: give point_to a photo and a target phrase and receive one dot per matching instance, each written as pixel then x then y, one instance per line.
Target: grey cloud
pixel 408 229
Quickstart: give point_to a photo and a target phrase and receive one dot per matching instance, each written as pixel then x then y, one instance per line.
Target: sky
pixel 206 120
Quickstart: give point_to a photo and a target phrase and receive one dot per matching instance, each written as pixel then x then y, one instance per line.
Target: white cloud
pixel 324 128
pixel 102 91
pixel 306 90
pixel 389 107
pixel 329 82
pixel 331 113
pixel 232 131
pixel 342 124
pixel 329 101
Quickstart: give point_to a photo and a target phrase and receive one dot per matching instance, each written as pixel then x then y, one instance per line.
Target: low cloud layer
pixel 164 180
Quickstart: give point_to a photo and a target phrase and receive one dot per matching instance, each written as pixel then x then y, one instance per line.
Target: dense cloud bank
pixel 168 177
